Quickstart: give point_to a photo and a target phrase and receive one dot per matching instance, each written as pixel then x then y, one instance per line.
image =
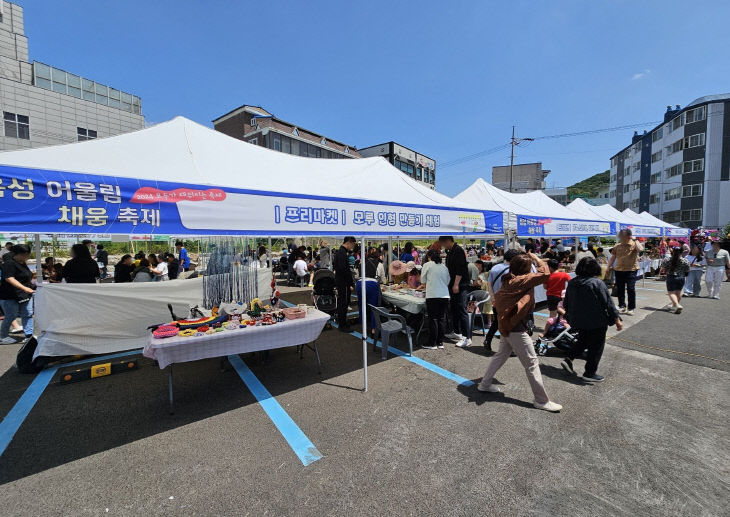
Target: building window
pixel 276 142
pixel 673 193
pixel 696 114
pixel 635 185
pixel 692 215
pixel 676 123
pixel 614 161
pixel 613 179
pixel 637 148
pixel 636 167
pixel 657 156
pixel 254 141
pixel 626 188
pixel 635 203
pixel 16 126
pixel 655 178
pixel 627 171
pixel 676 170
pixel 654 198
pixel 85 134
pixel 657 135
pixel 692 190
pixel 694 140
pixel 694 166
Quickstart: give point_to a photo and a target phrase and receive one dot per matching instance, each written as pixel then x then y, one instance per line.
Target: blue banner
pixel 642 231
pixel 532 226
pixel 43 201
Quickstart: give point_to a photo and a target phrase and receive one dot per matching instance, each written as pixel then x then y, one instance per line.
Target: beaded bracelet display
pixel 203 328
pixel 187 333
pixel 164 331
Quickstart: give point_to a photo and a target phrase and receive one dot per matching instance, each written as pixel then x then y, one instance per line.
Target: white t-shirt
pixel 436 277
pixel 719 259
pixel 300 267
pixel 162 268
pixel 263 260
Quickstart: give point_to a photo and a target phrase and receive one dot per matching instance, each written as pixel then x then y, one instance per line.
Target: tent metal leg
pixel 364 316
pixel 169 379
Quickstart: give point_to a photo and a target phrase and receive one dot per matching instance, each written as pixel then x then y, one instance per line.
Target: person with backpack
pixel 590 310
pixel 16 293
pixel 494 282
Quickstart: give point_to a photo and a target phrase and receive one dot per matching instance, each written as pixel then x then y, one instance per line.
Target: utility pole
pixel 513 142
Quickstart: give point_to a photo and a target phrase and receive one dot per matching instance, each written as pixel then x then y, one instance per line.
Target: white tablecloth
pixel 250 339
pixel 406 302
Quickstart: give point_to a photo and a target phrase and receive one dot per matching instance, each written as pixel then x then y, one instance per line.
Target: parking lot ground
pixel 651 440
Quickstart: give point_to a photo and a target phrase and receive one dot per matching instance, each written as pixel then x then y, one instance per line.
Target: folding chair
pixel 477 299
pixel 388 325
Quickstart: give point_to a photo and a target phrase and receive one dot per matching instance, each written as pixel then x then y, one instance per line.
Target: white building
pixel 43 105
pixel 679 171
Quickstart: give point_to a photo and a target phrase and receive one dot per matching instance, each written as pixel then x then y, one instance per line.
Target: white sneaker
pixel 548 406
pixel 468 342
pixel 629 313
pixel 440 346
pixel 462 343
pixel 622 310
pixel 489 389
pixel 429 347
pixel 716 297
pixel 8 341
pixel 678 309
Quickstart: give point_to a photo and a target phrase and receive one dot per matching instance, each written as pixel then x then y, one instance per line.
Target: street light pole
pixel 513 142
pixel 511 158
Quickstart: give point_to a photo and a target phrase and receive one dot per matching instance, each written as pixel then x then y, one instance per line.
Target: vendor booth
pixel 534 214
pixel 622 221
pixel 181 178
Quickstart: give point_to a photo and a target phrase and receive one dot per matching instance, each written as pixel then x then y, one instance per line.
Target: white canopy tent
pixel 669 230
pixel 181 178
pixel 622 220
pixel 534 214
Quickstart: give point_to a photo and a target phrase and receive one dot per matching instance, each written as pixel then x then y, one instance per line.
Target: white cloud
pixel 639 75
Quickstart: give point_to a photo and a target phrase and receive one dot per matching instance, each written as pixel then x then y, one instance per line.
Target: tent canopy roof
pixel 183 151
pixel 536 203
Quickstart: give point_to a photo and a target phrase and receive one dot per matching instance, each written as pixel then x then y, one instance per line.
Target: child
pixel 559 319
pixel 555 286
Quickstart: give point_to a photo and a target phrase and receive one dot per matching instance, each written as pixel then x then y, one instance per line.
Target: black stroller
pixel 324 292
pixel 559 337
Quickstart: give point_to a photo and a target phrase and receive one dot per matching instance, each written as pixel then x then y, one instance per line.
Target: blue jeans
pixel 13 310
pixel 626 282
pixel 693 285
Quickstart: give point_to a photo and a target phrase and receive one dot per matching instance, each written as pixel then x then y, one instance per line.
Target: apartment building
pixel 413 164
pixel 680 170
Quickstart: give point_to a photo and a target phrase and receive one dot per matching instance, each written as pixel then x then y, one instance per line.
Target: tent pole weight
pixel 363 316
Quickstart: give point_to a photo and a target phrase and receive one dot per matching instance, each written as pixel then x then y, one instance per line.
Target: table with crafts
pixel 405 300
pixel 244 339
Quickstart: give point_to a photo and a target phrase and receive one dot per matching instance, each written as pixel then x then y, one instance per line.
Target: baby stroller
pixel 559 336
pixel 324 292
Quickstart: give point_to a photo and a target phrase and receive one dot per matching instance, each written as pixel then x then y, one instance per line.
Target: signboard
pixel 42 201
pixel 642 231
pixel 676 232
pixel 532 226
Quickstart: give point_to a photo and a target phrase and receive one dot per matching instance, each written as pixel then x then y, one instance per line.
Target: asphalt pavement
pixel 651 440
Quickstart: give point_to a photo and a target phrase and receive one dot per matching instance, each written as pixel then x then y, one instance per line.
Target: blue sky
pixel 448 79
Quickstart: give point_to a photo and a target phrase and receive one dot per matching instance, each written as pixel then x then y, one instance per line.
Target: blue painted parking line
pixel 17 415
pixel 298 441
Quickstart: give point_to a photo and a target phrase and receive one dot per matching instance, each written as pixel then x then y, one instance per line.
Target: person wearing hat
pixel 414 274
pixel 343 280
pixel 459 274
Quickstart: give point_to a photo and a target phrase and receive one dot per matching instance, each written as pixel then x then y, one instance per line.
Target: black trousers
pixel 494 326
pixel 594 340
pixel 436 308
pixel 343 302
pixel 626 283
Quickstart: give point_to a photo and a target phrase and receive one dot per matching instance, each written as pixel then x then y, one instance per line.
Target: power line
pixel 470 157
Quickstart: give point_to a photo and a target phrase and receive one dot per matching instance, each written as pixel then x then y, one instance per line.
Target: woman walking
pixel 515 301
pixel 693 284
pixel 590 310
pixel 16 293
pixel 676 268
pixel 435 277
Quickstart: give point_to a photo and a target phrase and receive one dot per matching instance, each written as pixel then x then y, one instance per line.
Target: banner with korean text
pixel 533 226
pixel 43 201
